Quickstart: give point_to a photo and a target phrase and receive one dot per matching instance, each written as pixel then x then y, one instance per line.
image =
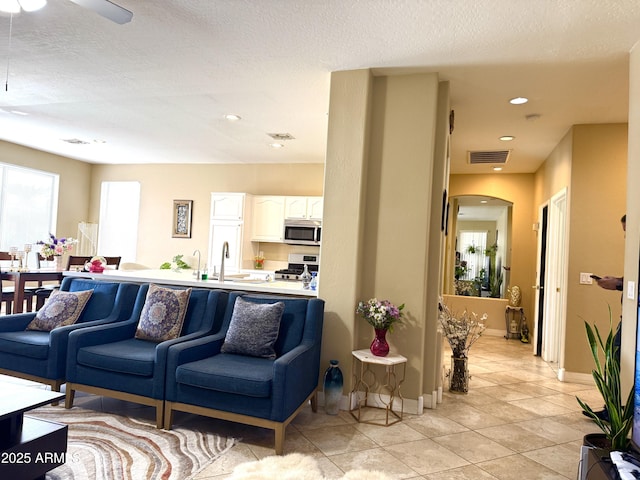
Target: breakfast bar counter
pixel 185 278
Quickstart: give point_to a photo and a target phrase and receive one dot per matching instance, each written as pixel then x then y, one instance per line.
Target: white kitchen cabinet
pixel 220 232
pixel 306 208
pixel 314 208
pixel 227 206
pixel 268 218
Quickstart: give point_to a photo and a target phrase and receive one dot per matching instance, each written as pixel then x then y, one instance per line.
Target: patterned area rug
pixel 106 446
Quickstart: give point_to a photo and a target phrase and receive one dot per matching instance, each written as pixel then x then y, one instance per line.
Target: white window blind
pixel 28 206
pixel 475 261
pixel 118 224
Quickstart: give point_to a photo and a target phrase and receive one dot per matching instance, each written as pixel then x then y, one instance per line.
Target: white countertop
pixel 186 278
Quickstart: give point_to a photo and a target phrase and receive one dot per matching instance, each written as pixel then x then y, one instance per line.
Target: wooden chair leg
pixel 68 399
pixel 55 387
pixel 279 434
pixel 159 413
pixel 168 416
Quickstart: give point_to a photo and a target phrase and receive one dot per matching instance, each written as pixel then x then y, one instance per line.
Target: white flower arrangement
pixel 380 314
pixel 461 332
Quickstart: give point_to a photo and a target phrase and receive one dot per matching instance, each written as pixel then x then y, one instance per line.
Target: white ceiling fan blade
pixel 107 9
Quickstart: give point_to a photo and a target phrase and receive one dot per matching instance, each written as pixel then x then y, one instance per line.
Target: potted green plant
pixel 607 379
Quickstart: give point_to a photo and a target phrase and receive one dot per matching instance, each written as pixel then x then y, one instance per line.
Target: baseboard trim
pixel 575 377
pixel 409 405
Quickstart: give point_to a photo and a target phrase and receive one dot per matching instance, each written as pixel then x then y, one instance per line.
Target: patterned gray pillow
pixel 62 308
pixel 253 329
pixel 163 314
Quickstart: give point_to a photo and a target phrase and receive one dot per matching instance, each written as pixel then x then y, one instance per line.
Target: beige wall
pixel 632 243
pixel 161 184
pixel 518 189
pixel 75 183
pixel 555 173
pixel 591 160
pixel 493 307
pixel 378 190
pixel 596 239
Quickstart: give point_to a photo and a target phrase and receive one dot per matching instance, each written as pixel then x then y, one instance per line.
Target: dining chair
pixel 44 291
pixel 7 292
pixel 80 261
pixel 7 299
pixel 73 261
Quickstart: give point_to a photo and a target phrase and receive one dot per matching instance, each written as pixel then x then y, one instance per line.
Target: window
pixel 118 224
pixel 28 205
pixel 472 247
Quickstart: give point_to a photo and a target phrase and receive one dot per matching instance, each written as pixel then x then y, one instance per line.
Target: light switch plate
pixel 585 278
pixel 631 290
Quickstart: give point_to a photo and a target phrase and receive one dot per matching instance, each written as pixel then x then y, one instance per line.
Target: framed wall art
pixel 182 218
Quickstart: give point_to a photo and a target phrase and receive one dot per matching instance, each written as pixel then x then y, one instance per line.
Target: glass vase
pixel 379 346
pixel 333 383
pixel 58 262
pixel 459 375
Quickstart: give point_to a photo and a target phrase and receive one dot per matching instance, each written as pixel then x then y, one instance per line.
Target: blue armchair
pixel 263 392
pixel 109 360
pixel 41 356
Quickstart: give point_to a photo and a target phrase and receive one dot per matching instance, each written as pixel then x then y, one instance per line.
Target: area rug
pixel 294 466
pixel 106 446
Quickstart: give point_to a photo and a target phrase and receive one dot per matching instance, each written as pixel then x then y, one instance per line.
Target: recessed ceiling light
pixel 518 100
pixel 232 117
pixel 497 169
pixel 276 145
pixel 483 201
pixel 507 138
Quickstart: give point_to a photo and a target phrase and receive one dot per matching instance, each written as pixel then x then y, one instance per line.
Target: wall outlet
pixel 585 279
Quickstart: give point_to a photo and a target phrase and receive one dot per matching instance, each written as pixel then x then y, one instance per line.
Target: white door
pixel 556 282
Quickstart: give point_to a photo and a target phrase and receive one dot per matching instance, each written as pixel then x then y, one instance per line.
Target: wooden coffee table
pixel 29 447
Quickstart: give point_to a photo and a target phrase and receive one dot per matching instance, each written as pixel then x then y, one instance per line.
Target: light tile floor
pixel 517 422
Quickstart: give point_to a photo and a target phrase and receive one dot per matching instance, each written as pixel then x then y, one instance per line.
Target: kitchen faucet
pixel 197 271
pixel 225 254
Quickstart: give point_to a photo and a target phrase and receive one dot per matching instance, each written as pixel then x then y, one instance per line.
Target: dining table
pixel 20 278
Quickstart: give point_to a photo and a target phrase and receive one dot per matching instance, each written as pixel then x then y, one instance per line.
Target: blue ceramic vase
pixel 333 383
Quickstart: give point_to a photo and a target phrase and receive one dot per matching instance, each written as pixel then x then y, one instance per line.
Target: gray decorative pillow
pixel 62 308
pixel 253 329
pixel 163 314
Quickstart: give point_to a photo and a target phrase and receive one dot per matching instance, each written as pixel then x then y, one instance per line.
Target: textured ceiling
pixel 155 90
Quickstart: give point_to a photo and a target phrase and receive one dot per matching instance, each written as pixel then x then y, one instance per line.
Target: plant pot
pixel 596 440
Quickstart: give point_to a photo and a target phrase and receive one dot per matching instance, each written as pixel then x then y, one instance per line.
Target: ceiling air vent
pixel 281 136
pixel 483 157
pixel 75 141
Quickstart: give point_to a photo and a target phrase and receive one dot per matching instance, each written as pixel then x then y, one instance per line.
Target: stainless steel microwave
pixel 302 232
